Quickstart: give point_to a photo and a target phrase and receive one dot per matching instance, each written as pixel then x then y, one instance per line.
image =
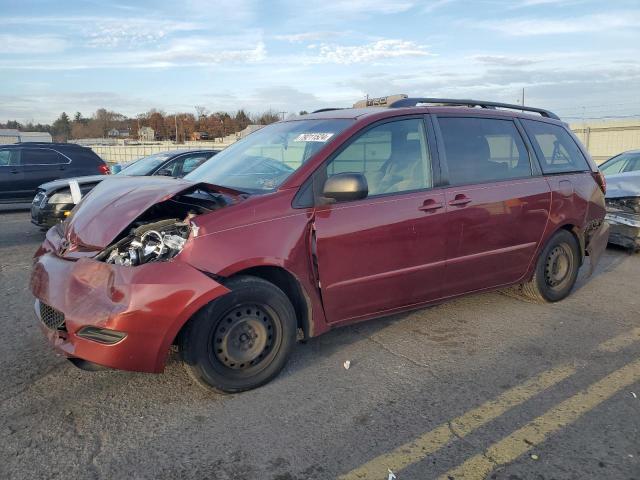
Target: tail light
pixel 600 180
pixel 104 169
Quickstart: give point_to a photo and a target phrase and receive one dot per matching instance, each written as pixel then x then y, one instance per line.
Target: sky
pixel 579 58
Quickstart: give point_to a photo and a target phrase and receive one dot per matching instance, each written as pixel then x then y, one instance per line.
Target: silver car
pixel 622 173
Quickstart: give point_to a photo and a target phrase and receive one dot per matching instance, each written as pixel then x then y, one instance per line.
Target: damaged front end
pixel 623 215
pixel 112 270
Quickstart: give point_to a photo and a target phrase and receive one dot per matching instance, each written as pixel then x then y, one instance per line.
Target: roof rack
pixel 412 102
pixel 327 110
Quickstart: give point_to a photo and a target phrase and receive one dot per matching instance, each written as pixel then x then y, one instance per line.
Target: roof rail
pixel 412 102
pixel 327 110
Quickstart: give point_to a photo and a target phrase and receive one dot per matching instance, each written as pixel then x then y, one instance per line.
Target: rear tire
pixel 556 269
pixel 241 340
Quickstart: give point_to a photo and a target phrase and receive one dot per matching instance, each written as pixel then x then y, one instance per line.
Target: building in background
pixel 10 135
pixel 118 133
pixel 146 134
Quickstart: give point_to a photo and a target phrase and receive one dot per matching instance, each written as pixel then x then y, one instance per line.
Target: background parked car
pixel 24 166
pixel 54 201
pixel 623 198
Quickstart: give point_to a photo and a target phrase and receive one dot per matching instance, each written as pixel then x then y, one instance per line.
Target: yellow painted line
pixel 437 438
pixel 524 439
pixel 621 341
pixel 433 440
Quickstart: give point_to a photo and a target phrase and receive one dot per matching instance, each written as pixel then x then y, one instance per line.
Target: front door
pixel 386 251
pixel 497 209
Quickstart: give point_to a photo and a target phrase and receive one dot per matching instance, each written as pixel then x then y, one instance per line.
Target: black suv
pixel 25 166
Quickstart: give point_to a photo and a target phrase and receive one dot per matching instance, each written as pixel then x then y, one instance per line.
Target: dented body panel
pixel 149 303
pixel 623 209
pixel 123 200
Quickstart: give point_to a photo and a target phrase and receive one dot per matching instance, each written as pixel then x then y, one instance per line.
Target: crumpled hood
pixel 623 185
pixel 115 203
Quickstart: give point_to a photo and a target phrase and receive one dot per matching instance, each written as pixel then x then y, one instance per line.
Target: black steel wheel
pixel 556 269
pixel 245 337
pixel 241 340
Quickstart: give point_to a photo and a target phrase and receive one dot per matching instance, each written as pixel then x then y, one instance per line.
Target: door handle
pixel 460 201
pixel 430 205
pixel 15 170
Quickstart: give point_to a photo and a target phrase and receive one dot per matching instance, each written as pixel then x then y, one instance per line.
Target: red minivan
pixel 316 222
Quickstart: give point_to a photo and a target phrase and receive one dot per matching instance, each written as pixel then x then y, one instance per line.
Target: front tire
pixel 241 340
pixel 556 269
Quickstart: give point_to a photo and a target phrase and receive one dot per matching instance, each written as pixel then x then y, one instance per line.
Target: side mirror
pixel 346 186
pixel 165 172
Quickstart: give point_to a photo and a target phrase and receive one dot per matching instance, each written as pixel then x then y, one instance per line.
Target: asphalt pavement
pixel 487 386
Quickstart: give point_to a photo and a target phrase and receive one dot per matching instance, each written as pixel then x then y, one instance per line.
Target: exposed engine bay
pixel 161 232
pixel 150 242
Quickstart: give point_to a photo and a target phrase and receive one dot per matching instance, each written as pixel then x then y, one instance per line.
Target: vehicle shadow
pixel 14 207
pixel 612 258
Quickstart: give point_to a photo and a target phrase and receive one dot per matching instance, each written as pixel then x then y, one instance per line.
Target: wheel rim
pixel 559 266
pixel 244 337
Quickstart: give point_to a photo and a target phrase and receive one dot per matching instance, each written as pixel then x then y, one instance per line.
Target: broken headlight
pixel 152 242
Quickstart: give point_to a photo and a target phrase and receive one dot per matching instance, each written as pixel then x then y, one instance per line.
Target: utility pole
pixel 523 96
pixel 175 118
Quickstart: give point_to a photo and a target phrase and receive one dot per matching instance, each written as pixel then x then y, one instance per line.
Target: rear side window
pixel 557 150
pixel 42 156
pixel 8 158
pixel 483 150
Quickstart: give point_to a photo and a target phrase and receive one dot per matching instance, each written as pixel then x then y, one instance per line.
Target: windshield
pixel 625 162
pixel 145 165
pixel 262 161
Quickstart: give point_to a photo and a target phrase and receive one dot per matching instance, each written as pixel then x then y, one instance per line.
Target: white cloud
pixel 436 4
pixel 504 60
pixel 375 51
pixel 34 44
pixel 535 3
pixel 113 33
pixel 306 36
pixel 584 24
pixel 359 7
pixel 202 50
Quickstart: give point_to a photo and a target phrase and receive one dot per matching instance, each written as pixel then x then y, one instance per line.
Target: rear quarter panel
pixel 576 203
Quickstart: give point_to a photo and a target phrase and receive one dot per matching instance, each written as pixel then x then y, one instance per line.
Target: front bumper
pixel 49 214
pixel 625 229
pixel 148 303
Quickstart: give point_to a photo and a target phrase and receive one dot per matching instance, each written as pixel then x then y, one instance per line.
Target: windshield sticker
pixel 313 137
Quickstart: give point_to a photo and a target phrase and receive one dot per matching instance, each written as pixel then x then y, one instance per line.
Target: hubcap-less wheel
pixel 558 266
pixel 244 337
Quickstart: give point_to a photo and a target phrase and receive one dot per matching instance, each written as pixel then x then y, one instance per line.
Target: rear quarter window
pixel 556 149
